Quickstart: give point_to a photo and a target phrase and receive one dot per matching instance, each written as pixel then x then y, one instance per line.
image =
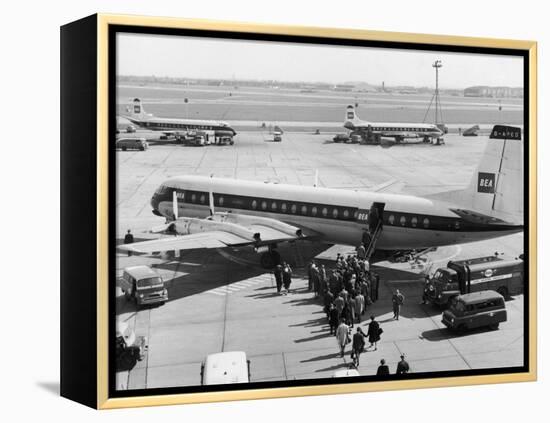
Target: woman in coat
pixel 374 332
pixel 342 336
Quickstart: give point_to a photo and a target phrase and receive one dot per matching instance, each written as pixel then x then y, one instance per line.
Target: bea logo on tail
pixel 486 182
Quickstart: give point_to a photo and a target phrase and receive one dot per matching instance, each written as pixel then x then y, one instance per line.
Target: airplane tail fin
pixel 136 110
pixel 496 187
pixel 351 118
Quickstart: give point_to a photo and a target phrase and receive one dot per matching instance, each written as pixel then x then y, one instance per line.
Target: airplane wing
pixel 212 239
pixel 392 186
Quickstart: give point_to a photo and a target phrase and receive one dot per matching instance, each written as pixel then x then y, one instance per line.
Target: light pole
pixel 435 98
pixel 436 65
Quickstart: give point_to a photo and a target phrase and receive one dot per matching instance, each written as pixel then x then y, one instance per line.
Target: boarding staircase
pixel 371 248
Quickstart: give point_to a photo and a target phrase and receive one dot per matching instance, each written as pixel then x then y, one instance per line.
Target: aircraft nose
pixel 155 204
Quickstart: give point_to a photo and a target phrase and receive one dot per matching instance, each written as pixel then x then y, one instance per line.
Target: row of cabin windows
pixel 334 212
pixel 178 125
pixel 402 129
pixel 305 210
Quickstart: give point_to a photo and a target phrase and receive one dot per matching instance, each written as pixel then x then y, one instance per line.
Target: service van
pixel 497 273
pixel 226 367
pixel 143 285
pixel 475 310
pixel 132 144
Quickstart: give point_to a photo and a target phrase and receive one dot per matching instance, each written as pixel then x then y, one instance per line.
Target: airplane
pixel 171 126
pixel 399 131
pixel 220 212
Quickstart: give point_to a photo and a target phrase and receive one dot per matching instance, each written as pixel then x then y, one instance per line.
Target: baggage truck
pixel 497 273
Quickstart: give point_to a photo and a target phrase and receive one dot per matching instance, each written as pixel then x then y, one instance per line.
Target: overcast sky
pixel 192 57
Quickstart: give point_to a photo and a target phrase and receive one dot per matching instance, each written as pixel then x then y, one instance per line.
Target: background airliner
pixel 398 131
pixel 234 213
pixel 139 117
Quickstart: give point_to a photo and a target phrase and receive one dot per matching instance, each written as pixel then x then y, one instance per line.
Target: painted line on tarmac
pixel 237 286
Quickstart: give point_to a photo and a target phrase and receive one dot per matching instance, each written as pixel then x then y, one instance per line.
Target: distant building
pixel 485 91
pixel 344 87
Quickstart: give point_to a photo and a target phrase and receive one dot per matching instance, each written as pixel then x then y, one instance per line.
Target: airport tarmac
pixel 224 301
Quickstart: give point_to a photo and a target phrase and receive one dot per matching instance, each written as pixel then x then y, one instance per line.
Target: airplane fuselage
pixel 397 130
pixel 334 215
pixel 167 124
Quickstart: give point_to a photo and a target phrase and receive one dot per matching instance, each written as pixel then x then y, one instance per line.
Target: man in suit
pixel 358 345
pixel 397 301
pixel 128 239
pixel 383 369
pixel 402 367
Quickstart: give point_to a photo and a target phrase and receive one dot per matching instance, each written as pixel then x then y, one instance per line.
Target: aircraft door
pixel 375 217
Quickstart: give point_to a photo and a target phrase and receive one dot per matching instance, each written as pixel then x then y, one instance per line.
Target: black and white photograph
pixel 293 212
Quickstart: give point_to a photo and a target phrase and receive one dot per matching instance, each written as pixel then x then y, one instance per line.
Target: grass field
pixel 273 105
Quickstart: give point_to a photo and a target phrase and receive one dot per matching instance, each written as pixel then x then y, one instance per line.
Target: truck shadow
pixel 444 333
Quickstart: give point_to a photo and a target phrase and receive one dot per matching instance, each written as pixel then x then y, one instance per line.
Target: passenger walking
pixel 361 252
pixel 323 279
pixel 357 346
pixel 339 303
pixel 328 300
pixel 348 313
pixel 278 273
pixel 397 301
pixel 333 319
pixel 402 366
pixel 129 239
pixel 383 369
pixel 374 333
pixel 316 281
pixel 287 277
pixel 342 336
pixel 359 305
pixel 310 275
pixel 344 294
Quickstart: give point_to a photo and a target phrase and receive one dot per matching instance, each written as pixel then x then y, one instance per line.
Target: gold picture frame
pixel 98 27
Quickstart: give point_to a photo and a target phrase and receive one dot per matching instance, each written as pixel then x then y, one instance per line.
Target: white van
pixel 225 367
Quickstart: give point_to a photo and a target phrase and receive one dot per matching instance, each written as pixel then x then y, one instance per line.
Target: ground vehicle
pixel 355 138
pixel 471 132
pixel 503 275
pixel 128 347
pixel 341 138
pixel 478 309
pixel 225 140
pixel 130 129
pixel 225 367
pixel 143 285
pixel 132 144
pixel 277 137
pixel 168 137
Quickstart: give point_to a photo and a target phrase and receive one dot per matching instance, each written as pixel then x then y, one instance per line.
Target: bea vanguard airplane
pixel 398 131
pixel 207 212
pixel 139 117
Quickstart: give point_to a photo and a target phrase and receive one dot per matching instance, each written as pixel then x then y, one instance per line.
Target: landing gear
pixel 427 140
pixel 270 259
